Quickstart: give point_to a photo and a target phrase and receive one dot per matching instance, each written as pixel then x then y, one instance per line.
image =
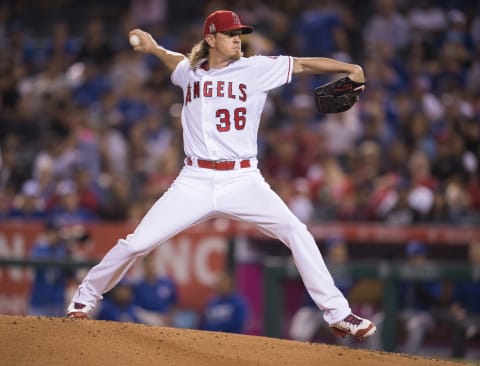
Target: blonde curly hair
pixel 199 52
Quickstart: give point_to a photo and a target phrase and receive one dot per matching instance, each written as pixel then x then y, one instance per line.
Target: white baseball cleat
pixel 355 326
pixel 78 311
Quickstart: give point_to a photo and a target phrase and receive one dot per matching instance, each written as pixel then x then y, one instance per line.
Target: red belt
pixel 219 164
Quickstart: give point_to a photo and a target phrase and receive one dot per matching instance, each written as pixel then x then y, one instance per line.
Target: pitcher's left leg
pixel 251 199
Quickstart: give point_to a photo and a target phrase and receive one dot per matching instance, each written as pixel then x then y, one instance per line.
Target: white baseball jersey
pixel 222 107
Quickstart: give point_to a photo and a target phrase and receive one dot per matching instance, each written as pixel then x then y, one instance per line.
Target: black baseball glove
pixel 338 95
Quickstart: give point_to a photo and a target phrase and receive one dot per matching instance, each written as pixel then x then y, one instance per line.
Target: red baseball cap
pixel 224 21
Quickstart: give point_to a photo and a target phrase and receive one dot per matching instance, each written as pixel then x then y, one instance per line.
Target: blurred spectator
pixel 457 202
pixel 88 189
pixel 458 29
pixel 449 162
pixel 48 84
pixel 127 68
pixel 427 21
pixel 80 247
pixel 439 212
pixel 285 160
pixel 307 323
pixel 15 161
pixel 28 205
pixel 155 295
pixel 6 199
pixel 227 310
pixel 146 13
pixel 92 86
pixel 6 19
pixel 47 295
pixel 463 315
pixel 68 210
pixel 334 188
pixel 62 45
pixel 341 131
pixel 115 198
pixel 422 185
pixel 22 45
pixel 396 209
pixel 417 134
pixel 319 30
pixel 118 305
pixel 133 106
pixel 95 49
pixel 112 143
pixel 43 175
pixel 418 298
pixel 387 26
pixel 58 156
pixel 475 28
pixel 86 145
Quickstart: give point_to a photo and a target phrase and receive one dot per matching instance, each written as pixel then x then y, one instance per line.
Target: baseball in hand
pixel 134 40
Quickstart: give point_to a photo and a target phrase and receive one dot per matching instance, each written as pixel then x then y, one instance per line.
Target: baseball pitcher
pixel 224 94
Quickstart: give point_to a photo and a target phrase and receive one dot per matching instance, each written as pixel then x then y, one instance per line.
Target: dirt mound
pixel 55 341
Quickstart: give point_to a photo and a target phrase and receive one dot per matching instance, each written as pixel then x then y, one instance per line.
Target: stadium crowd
pixel 90 130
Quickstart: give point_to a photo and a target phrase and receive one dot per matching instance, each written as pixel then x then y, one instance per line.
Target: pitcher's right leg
pixel 188 201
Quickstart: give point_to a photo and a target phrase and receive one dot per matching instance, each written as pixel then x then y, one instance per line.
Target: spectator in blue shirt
pixel 47 296
pixel 155 295
pixel 118 306
pixel 227 310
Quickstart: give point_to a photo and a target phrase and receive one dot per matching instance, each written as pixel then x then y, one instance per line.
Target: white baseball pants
pixel 198 194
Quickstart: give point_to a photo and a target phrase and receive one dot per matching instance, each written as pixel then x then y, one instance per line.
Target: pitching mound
pixel 55 341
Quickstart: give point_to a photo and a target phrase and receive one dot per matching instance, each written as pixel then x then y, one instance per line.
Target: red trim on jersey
pixel 204 65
